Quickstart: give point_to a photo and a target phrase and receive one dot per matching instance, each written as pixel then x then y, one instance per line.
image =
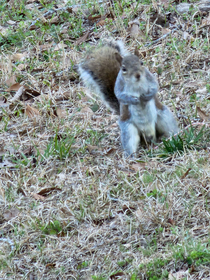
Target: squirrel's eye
pixel 123 69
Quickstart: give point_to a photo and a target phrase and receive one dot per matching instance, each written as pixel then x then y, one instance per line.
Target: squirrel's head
pixel 136 75
pixel 132 68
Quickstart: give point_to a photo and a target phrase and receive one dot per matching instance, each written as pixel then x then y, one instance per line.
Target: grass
pixel 71 206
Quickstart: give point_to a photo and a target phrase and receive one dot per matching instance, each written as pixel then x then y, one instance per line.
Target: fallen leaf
pixel 183 7
pixel 128 245
pixel 202 90
pixel 67 94
pixel 19 56
pixel 60 46
pixel 101 23
pixel 31 112
pixel 69 9
pixel 47 191
pixel 75 147
pixel 205 22
pixel 64 30
pixel 37 196
pixel 17 95
pixel 186 35
pixel 94 18
pixel 31 92
pixel 11 81
pixel 66 211
pixel 76 8
pixel 170 221
pixel 141 214
pixel 165 30
pixel 11 22
pixel 14 87
pixel 3 30
pixel 61 113
pixel 178 275
pixel 192 269
pixel 138 166
pixel 30 6
pixel 202 114
pixel 114 125
pixel 186 173
pixel 91 148
pixel 159 18
pixel 125 169
pixel 33 27
pixel 11 213
pixel 45 47
pixel 86 110
pixel 50 265
pixel 22 66
pixel 109 151
pixel 194 84
pixel 134 29
pixel 31 1
pixel 165 3
pixel 83 38
pixel 116 275
pixel 54 19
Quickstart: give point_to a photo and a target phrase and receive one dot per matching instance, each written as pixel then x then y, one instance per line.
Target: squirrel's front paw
pixel 149 95
pixel 134 100
pixel 126 99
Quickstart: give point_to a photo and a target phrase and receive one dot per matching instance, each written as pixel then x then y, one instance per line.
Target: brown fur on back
pixel 107 70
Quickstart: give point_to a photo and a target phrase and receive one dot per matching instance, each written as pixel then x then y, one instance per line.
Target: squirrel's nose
pixel 137 76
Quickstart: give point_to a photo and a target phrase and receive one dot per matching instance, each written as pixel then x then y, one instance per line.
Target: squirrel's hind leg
pixel 129 137
pixel 166 123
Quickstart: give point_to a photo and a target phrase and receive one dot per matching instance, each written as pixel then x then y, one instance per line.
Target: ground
pixel 71 205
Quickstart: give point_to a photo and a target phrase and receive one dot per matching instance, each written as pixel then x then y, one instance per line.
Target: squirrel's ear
pixel 118 57
pixel 136 52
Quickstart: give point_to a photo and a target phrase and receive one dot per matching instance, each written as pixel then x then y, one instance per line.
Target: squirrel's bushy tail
pixel 100 69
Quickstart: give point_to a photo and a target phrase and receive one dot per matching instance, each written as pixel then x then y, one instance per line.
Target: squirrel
pixel 130 89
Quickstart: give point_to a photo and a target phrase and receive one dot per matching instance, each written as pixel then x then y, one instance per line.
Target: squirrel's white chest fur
pixel 144 115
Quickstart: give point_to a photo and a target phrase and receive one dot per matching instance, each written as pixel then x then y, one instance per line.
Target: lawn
pixel 71 205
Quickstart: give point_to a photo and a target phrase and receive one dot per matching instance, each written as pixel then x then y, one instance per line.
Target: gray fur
pixel 128 88
pixel 130 137
pixel 166 124
pixel 145 118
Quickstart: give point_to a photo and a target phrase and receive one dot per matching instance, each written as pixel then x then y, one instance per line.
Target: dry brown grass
pixel 93 213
